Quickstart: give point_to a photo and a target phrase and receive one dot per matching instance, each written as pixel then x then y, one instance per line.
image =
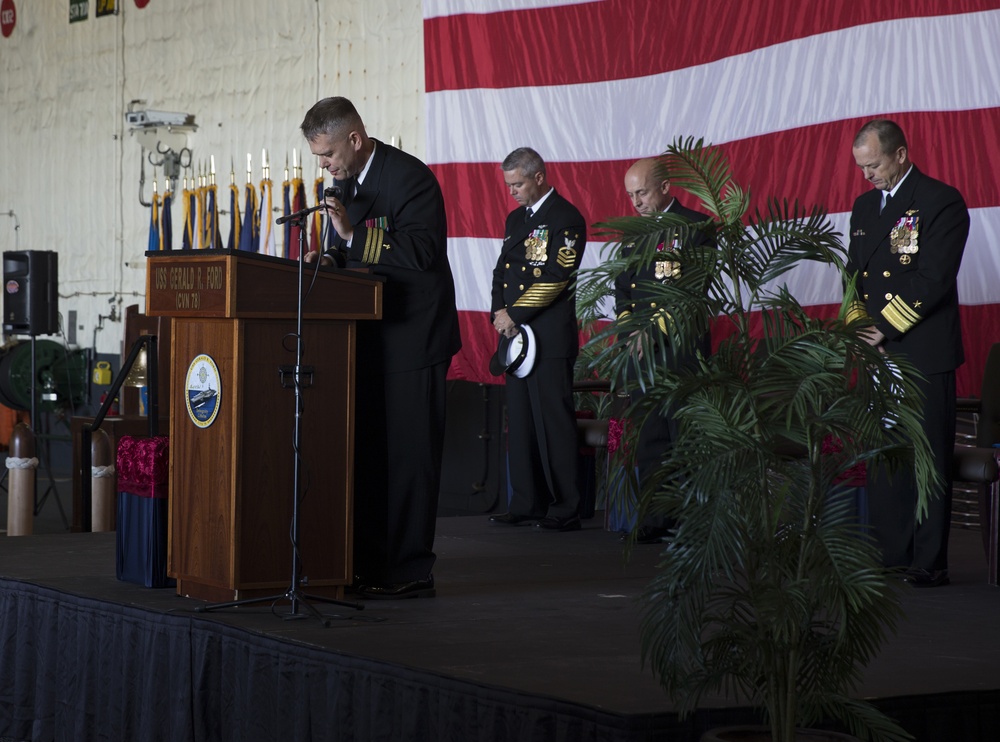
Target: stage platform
pixel 533 636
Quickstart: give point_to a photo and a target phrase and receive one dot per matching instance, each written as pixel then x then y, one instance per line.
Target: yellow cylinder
pixel 22 468
pixel 102 487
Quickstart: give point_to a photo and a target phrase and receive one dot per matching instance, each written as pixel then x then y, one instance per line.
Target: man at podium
pixel 389 217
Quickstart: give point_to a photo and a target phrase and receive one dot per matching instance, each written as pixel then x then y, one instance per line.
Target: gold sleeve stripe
pixel 624 314
pixel 661 319
pixel 540 295
pixel 373 246
pixel 899 315
pixel 906 310
pixel 566 257
pixel 856 311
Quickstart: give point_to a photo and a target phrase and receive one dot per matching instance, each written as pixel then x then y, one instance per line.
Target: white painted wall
pixel 247 69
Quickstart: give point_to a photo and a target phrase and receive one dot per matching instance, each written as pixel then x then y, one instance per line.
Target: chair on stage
pixel 978 464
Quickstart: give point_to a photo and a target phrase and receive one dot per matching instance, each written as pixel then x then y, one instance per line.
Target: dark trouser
pixel 659 430
pixel 656 434
pixel 542 441
pixel 399 439
pixel 892 499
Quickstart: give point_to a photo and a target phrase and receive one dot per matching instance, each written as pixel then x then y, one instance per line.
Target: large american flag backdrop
pixel 781 85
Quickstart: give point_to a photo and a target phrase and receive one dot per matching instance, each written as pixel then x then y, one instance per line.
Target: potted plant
pixel 768 589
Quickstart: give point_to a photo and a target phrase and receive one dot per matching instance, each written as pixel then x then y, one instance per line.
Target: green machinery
pixel 60 376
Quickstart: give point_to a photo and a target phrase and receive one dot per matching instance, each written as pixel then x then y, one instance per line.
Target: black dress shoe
pixel 356 586
pixel 645 535
pixel 510 519
pixel 926 578
pixel 399 590
pixel 559 524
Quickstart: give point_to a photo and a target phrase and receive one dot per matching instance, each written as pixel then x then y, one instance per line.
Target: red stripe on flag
pixel 479 343
pixel 815 165
pixel 619 39
pixel 812 164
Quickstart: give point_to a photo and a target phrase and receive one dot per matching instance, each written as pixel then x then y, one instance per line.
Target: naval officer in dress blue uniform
pixel 533 284
pixel 391 221
pixel 648 188
pixel 907 237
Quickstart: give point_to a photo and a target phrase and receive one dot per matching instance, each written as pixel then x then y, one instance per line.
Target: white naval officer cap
pixel 515 355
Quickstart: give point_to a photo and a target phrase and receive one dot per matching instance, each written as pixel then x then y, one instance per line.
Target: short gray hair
pixel 524 159
pixel 330 116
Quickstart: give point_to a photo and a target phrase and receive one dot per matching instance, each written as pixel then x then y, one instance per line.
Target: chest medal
pixel 903 239
pixel 664 270
pixel 536 246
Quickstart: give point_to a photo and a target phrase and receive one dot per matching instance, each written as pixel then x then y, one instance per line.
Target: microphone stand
pixel 294 594
pixel 298 217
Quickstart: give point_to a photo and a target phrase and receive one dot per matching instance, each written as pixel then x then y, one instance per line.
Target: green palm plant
pixel 769 589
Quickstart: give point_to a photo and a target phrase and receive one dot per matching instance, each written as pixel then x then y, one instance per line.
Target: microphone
pixel 333 191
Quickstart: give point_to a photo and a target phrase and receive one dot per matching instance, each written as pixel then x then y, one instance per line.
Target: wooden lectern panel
pixel 232 475
pixel 233 483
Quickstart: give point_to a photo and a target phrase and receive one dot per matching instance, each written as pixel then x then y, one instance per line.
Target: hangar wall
pixel 247 70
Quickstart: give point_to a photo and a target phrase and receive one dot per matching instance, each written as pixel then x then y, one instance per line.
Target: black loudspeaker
pixel 31 292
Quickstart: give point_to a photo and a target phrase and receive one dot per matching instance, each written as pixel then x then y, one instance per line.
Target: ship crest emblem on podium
pixel 203 391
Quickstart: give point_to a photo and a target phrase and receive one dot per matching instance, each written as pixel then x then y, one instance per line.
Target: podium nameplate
pixel 233 284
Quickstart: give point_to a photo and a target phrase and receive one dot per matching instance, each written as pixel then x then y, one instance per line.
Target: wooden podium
pixel 231 447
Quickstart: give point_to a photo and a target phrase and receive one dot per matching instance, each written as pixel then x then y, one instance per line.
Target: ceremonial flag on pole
pixel 267 241
pixel 202 213
pixel 268 244
pixel 189 240
pixel 154 221
pixel 166 220
pixel 213 240
pixel 234 213
pixel 286 209
pixel 316 239
pixel 781 90
pixel 250 232
pixel 298 204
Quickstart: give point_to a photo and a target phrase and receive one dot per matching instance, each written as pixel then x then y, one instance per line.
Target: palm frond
pixel 769 588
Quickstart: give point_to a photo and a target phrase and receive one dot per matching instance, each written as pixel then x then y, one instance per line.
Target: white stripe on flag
pixel 437 8
pixel 859 71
